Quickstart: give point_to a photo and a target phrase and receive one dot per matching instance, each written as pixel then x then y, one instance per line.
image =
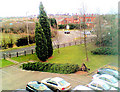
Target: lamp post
pixel 27 28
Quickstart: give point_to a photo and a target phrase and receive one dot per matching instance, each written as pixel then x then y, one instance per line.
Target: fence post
pixel 4 55
pixel 17 54
pixel 25 53
pixel 69 44
pixel 64 45
pixel 32 51
pixel 91 40
pixel 10 55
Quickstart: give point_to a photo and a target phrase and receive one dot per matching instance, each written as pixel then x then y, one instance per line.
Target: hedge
pixel 24 41
pixel 104 51
pixel 51 67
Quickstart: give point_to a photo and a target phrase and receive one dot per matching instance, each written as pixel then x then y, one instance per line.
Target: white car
pixel 81 88
pixel 109 79
pixel 57 84
pixel 35 86
pixel 100 85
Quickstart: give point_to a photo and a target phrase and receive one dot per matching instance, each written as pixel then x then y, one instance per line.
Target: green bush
pixel 104 51
pixel 51 67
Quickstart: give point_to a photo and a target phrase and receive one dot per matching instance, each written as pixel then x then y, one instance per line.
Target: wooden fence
pixel 31 51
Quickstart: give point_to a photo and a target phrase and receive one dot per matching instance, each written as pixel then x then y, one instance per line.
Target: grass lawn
pixel 4 63
pixel 75 55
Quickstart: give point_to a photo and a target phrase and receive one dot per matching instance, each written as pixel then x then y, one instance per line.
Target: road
pixel 14 77
pixel 63 38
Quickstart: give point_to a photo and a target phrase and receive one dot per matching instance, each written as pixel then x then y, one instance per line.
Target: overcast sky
pixel 16 8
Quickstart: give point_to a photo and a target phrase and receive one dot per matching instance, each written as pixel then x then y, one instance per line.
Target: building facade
pixel 75 19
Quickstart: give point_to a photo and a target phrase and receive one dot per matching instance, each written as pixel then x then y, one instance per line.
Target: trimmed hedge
pixel 51 67
pixel 104 51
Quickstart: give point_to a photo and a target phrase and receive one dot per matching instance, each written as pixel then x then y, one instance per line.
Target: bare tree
pixel 84 28
pixel 56 40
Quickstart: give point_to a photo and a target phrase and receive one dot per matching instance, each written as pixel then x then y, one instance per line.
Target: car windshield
pixel 63 83
pixel 106 87
pixel 114 72
pixel 40 87
pixel 113 80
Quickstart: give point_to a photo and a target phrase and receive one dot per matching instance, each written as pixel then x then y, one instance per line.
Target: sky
pixel 17 8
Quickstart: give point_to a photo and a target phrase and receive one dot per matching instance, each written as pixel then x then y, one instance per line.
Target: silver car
pixel 82 88
pixel 35 86
pixel 57 84
pixel 100 85
pixel 109 79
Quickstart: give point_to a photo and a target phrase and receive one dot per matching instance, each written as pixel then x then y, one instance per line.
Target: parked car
pixel 109 71
pixel 109 79
pixel 80 88
pixel 100 85
pixel 57 84
pixel 67 32
pixel 35 86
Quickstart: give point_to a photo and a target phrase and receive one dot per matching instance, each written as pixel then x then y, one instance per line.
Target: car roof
pixel 98 82
pixel 107 69
pixel 32 82
pixel 106 76
pixel 57 79
pixel 67 31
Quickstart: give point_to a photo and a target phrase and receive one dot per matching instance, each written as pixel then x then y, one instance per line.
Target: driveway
pixel 14 77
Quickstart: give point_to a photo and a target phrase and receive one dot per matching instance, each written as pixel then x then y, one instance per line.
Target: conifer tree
pixel 41 43
pixel 44 22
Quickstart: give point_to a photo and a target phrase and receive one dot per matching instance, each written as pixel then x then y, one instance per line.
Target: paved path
pixel 13 77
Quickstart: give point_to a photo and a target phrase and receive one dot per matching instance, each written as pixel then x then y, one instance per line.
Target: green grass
pixel 26 58
pixel 75 55
pixel 4 63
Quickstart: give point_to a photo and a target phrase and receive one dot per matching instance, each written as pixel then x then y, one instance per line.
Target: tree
pixel 84 28
pixel 53 22
pixel 41 43
pixel 106 30
pixel 43 20
pixel 56 40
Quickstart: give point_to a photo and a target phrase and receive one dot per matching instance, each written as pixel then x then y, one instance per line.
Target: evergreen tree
pixel 41 43
pixel 44 22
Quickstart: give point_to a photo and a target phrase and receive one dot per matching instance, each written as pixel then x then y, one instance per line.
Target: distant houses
pixel 75 19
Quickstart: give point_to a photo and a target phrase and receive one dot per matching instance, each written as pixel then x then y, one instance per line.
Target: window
pixel 52 82
pixel 102 78
pixel 93 84
pixel 99 86
pixel 90 20
pixel 107 80
pixel 63 83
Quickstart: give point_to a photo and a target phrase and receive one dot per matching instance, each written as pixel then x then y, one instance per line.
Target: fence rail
pixel 31 51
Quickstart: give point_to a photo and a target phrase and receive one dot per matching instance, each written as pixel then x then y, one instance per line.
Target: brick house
pixel 76 19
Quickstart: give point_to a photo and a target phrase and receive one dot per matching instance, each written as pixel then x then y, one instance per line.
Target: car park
pixel 100 85
pixel 57 84
pixel 80 88
pixel 35 86
pixel 109 71
pixel 109 79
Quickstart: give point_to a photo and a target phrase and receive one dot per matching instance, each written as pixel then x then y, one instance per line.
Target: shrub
pixel 104 51
pixel 51 67
pixel 24 41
